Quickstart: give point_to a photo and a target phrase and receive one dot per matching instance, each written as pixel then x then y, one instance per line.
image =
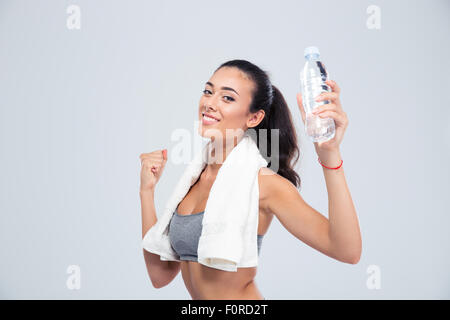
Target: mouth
pixel 207 119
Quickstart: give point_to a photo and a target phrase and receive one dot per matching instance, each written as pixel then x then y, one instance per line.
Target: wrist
pixel 147 192
pixel 330 158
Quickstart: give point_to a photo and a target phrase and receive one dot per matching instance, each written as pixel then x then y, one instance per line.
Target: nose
pixel 211 102
pixel 208 106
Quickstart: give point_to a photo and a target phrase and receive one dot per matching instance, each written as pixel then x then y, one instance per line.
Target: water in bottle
pixel 313 77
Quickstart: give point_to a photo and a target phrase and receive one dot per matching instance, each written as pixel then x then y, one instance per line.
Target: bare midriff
pixel 204 282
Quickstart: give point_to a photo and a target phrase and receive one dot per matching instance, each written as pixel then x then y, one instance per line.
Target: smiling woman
pixel 239 96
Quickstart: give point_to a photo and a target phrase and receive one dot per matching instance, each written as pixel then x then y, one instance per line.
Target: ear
pixel 256 118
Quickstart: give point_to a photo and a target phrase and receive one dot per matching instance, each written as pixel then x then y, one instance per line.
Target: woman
pixel 239 95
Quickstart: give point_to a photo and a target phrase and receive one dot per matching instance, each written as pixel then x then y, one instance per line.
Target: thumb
pixel 164 152
pixel 300 106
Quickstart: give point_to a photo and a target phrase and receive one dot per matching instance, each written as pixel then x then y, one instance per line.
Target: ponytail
pixel 280 117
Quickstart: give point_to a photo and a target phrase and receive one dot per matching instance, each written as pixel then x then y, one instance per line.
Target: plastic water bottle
pixel 313 77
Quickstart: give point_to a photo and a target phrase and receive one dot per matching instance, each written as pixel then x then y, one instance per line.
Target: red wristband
pixel 342 161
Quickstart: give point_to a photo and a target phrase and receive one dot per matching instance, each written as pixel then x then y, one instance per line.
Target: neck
pixel 216 158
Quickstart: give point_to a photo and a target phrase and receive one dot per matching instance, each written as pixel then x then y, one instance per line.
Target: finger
pixel 338 117
pixel 149 166
pixel 153 157
pixel 149 169
pixel 300 105
pixel 334 86
pixel 331 96
pixel 150 163
pixel 155 167
pixel 325 107
pixel 164 152
pixel 148 156
pixel 154 154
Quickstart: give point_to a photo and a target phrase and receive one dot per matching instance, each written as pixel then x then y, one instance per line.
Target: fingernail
pixel 318 98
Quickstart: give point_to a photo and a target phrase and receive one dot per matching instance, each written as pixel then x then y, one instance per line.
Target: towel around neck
pixel 230 222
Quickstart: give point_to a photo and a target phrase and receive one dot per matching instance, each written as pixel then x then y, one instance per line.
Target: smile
pixel 208 120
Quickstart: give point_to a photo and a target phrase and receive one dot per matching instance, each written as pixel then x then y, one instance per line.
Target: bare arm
pixel 161 272
pixel 339 236
pixel 344 229
pixel 336 238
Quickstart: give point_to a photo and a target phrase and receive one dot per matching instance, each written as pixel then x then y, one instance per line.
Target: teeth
pixel 209 118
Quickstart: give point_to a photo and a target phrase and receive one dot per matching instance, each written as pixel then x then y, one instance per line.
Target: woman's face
pixel 226 97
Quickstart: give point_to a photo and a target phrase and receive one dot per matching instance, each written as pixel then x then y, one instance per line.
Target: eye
pixel 231 99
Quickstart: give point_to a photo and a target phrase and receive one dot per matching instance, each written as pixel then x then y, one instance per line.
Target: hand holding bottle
pixel 332 110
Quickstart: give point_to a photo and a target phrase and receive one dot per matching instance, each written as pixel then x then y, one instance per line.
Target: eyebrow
pixel 223 88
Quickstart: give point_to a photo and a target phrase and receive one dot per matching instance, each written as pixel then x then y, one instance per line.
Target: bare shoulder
pixel 269 180
pixel 271 184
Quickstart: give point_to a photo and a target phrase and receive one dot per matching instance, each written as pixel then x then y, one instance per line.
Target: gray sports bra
pixel 184 234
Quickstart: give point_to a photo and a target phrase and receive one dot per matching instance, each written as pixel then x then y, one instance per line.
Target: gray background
pixel 78 107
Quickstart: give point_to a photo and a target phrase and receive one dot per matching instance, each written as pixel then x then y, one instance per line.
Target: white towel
pixel 230 222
